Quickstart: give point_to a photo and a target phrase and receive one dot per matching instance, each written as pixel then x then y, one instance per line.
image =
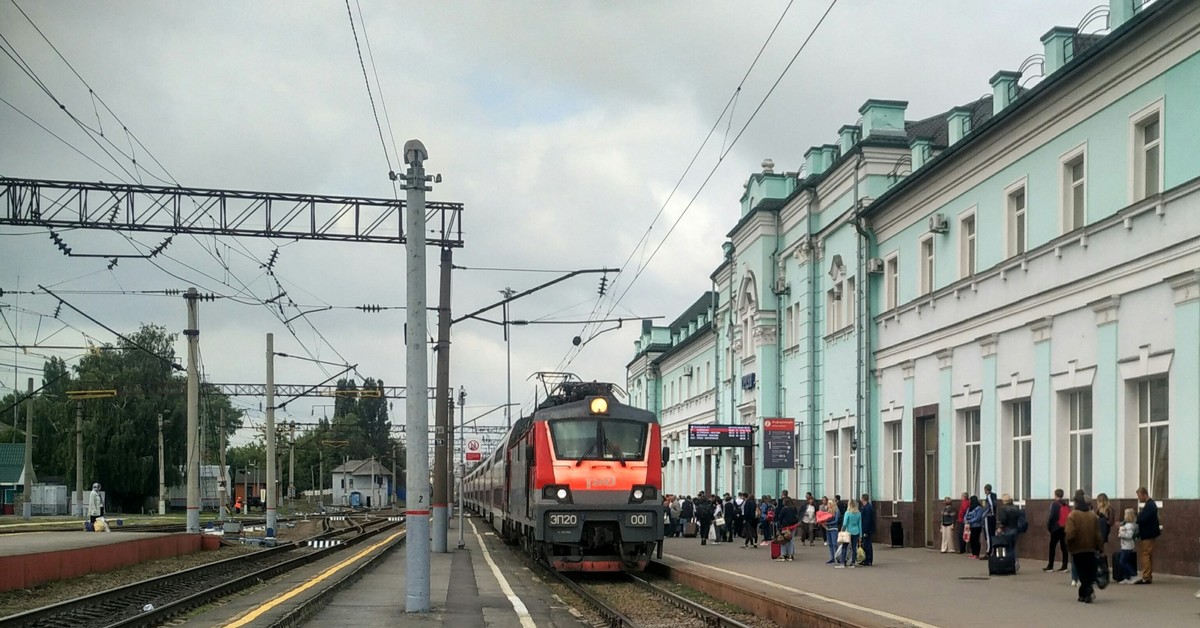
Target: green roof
pixel 12 462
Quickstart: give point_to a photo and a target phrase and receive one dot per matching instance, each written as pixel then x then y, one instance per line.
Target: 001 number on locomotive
pixel 640 519
pixel 563 519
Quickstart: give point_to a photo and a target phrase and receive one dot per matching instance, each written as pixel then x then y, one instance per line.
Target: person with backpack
pixel 1056 525
pixel 705 514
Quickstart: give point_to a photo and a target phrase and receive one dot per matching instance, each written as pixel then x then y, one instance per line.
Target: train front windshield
pixel 599 439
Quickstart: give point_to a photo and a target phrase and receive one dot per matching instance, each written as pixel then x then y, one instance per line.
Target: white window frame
pixel 1077 435
pixel 894 433
pixel 891 281
pixel 1145 443
pixel 850 302
pixel 927 274
pixel 1021 431
pixel 833 308
pixel 833 462
pixel 1014 243
pixel 1138 149
pixel 968 244
pixel 1066 200
pixel 972 449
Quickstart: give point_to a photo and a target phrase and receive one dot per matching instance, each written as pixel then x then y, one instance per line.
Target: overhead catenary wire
pixel 713 170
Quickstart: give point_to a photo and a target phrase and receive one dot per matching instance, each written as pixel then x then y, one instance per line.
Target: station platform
pixel 924 588
pixel 482 585
pixel 31 558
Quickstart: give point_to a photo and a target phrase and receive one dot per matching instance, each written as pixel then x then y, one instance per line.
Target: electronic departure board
pixel 720 436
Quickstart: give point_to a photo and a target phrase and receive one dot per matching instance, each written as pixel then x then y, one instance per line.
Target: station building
pixel 1005 293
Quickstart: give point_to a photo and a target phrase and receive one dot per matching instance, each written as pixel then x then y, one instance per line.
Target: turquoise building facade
pixel 1006 293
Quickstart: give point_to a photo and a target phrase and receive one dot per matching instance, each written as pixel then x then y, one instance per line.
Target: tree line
pixel 120 433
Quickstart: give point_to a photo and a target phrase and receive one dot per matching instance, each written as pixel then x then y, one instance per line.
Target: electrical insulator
pixel 603 284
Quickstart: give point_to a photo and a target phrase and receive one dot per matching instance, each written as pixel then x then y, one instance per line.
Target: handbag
pixel 861 554
pixel 824 517
pixel 966 534
pixel 719 521
pixel 843 536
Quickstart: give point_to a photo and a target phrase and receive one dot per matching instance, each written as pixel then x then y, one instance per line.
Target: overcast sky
pixel 562 126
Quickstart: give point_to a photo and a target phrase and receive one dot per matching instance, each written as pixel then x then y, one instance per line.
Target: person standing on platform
pixel 95 507
pixel 852 527
pixel 807 520
pixel 1148 530
pixel 960 528
pixel 949 510
pixel 705 515
pixel 990 507
pixel 1084 541
pixel 1056 525
pixel 975 521
pixel 832 522
pixel 749 522
pixel 1126 567
pixel 868 530
pixel 687 514
pixel 787 520
pixel 676 510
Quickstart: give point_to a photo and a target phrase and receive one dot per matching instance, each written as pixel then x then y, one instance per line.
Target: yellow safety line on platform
pixel 517 604
pixel 858 607
pixel 312 582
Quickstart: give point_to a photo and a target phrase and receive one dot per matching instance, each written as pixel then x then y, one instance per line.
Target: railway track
pixel 154 601
pixel 627 601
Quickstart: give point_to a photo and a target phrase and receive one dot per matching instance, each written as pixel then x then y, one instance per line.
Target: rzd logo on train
pixel 602 482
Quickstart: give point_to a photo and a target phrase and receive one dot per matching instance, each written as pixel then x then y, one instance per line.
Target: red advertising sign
pixel 474 456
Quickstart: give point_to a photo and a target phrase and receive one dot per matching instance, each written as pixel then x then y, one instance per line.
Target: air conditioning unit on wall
pixel 874 265
pixel 939 224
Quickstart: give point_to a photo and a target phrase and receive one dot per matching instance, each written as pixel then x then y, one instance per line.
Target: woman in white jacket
pixel 1127 556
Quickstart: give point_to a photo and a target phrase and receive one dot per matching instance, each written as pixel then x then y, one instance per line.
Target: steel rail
pixel 57 614
pixel 708 615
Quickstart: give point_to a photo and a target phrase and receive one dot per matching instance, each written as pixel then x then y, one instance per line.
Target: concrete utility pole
pixel 272 503
pixel 462 468
pixel 416 581
pixel 162 471
pixel 392 494
pixel 30 478
pixel 291 492
pixel 193 412
pixel 223 477
pixel 443 426
pixel 80 511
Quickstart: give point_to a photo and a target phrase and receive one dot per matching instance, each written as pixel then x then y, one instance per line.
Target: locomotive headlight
pixel 599 405
pixel 642 493
pixel 557 492
pixel 561 493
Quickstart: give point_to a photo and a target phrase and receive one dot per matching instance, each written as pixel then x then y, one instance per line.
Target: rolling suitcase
pixel 691 529
pixel 776 549
pixel 1002 561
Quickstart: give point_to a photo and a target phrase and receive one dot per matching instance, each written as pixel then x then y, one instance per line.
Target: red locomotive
pixel 578 484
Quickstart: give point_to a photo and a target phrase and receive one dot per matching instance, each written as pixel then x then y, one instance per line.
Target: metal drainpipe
pixel 863 457
pixel 814 423
pixel 779 339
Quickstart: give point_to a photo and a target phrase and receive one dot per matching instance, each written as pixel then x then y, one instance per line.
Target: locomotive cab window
pixel 598 439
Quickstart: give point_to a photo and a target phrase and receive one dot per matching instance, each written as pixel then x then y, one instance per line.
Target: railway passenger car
pixel 578 483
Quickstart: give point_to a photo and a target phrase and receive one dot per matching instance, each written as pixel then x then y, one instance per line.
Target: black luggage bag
pixel 1002 560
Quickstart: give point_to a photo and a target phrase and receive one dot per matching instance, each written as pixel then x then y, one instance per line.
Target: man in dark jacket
pixel 990 509
pixel 1148 531
pixel 687 514
pixel 1054 525
pixel 730 510
pixel 868 529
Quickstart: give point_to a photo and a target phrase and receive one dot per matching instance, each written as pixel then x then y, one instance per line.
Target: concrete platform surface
pixel 30 559
pixel 482 585
pixel 16 543
pixel 918 587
